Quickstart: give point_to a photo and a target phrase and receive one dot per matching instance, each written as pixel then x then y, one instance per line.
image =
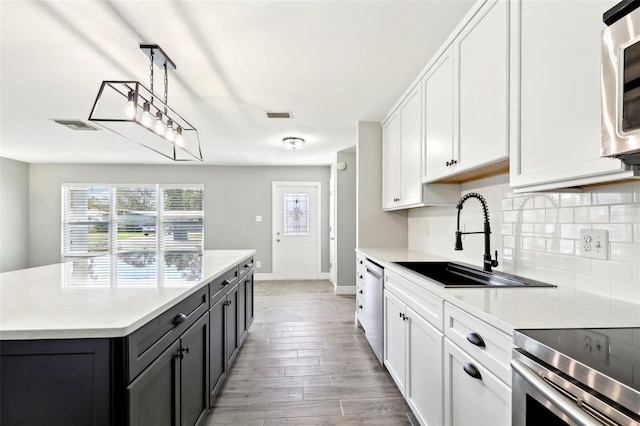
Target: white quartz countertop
pixel 518 308
pixel 106 296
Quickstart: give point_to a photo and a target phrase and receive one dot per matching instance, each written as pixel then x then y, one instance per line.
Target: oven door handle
pixel 559 401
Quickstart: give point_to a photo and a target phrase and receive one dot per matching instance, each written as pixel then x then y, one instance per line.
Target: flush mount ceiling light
pixel 293 143
pixel 132 111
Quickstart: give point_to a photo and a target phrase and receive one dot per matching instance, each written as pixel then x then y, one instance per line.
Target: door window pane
pixel 296 214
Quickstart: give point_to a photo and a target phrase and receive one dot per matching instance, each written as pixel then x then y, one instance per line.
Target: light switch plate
pixel 594 243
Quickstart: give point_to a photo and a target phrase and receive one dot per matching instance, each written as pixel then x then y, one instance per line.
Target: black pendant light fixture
pixel 132 111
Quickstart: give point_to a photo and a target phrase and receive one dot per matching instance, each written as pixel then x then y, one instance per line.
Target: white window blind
pixel 101 219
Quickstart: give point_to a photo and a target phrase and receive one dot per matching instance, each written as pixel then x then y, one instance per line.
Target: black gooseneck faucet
pixel 488 261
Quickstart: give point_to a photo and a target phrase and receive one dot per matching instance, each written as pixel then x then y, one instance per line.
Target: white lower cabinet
pixel 477 373
pixel 468 400
pixel 413 350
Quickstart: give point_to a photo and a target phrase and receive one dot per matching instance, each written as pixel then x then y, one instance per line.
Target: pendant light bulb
pixel 179 137
pixel 131 105
pixel 147 118
pixel 170 135
pixel 160 128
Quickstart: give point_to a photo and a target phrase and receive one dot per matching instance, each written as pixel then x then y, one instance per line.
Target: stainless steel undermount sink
pixel 451 274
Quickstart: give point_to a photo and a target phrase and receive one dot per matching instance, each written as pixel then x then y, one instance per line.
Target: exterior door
pixel 296 220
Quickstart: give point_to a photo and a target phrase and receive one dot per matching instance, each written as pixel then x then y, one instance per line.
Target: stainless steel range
pixel 576 377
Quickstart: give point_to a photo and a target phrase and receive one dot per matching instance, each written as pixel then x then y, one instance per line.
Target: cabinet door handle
pixel 476 339
pixel 179 319
pixel 472 370
pixel 361 292
pixel 360 306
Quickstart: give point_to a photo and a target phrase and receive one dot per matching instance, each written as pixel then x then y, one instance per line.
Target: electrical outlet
pixel 594 345
pixel 258 264
pixel 594 243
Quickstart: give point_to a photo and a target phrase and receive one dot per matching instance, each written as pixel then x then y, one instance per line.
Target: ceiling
pixel 329 63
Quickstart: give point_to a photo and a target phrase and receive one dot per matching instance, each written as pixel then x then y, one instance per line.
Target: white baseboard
pixel 345 289
pixel 268 276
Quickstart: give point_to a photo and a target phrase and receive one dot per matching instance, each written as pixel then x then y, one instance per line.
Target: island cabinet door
pixel 249 300
pixel 194 369
pixel 231 323
pixel 217 351
pixel 154 396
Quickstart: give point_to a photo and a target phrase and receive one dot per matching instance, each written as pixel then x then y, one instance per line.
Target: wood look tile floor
pixel 306 363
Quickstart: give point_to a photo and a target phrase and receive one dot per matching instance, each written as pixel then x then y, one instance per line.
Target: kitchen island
pixel 135 338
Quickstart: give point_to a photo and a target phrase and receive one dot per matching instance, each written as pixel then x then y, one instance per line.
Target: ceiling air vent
pixel 278 115
pixel 76 125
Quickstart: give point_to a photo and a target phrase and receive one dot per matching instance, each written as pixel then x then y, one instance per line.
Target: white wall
pixel 375 227
pixel 537 234
pixel 233 197
pixel 14 215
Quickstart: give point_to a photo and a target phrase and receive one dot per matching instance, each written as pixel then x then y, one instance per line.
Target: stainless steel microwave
pixel 620 82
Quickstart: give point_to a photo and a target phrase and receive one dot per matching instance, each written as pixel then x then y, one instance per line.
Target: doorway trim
pixel 318 186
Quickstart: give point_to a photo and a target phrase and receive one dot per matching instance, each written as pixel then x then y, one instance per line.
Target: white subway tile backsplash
pixel 570 230
pixel 575 199
pixel 534 243
pixel 533 216
pixel 612 194
pixel 618 233
pixel 624 252
pixel 619 271
pixel 591 214
pixel 560 278
pixel 548 230
pixel 537 234
pixel 626 213
pixel 555 245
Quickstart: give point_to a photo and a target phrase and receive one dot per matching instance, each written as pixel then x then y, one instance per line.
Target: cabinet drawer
pixel 481 399
pixel 228 279
pixel 149 341
pixel 245 267
pixel 492 347
pixel 428 305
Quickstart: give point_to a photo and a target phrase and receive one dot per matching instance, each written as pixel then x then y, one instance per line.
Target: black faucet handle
pixel 494 262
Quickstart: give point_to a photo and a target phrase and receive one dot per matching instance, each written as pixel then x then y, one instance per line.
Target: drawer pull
pixel 179 319
pixel 476 339
pixel 472 370
pixel 360 306
pixel 361 292
pixel 247 265
pixel 226 282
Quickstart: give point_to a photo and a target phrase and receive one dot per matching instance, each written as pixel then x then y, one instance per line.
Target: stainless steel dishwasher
pixel 372 310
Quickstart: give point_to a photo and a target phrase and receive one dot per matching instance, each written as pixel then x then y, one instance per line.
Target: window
pixel 102 219
pixel 296 214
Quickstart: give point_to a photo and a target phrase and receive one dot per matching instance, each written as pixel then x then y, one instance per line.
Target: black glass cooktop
pixel 614 352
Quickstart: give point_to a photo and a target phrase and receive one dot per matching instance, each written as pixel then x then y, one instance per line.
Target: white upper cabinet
pixel 466 99
pixel 401 142
pixel 402 160
pixel 483 48
pixel 391 162
pixel 438 118
pixel 555 95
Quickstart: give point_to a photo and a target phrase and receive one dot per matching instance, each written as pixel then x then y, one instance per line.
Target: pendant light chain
pixel 151 68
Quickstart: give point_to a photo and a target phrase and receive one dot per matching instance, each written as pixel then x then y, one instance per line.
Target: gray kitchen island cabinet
pixel 162 371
